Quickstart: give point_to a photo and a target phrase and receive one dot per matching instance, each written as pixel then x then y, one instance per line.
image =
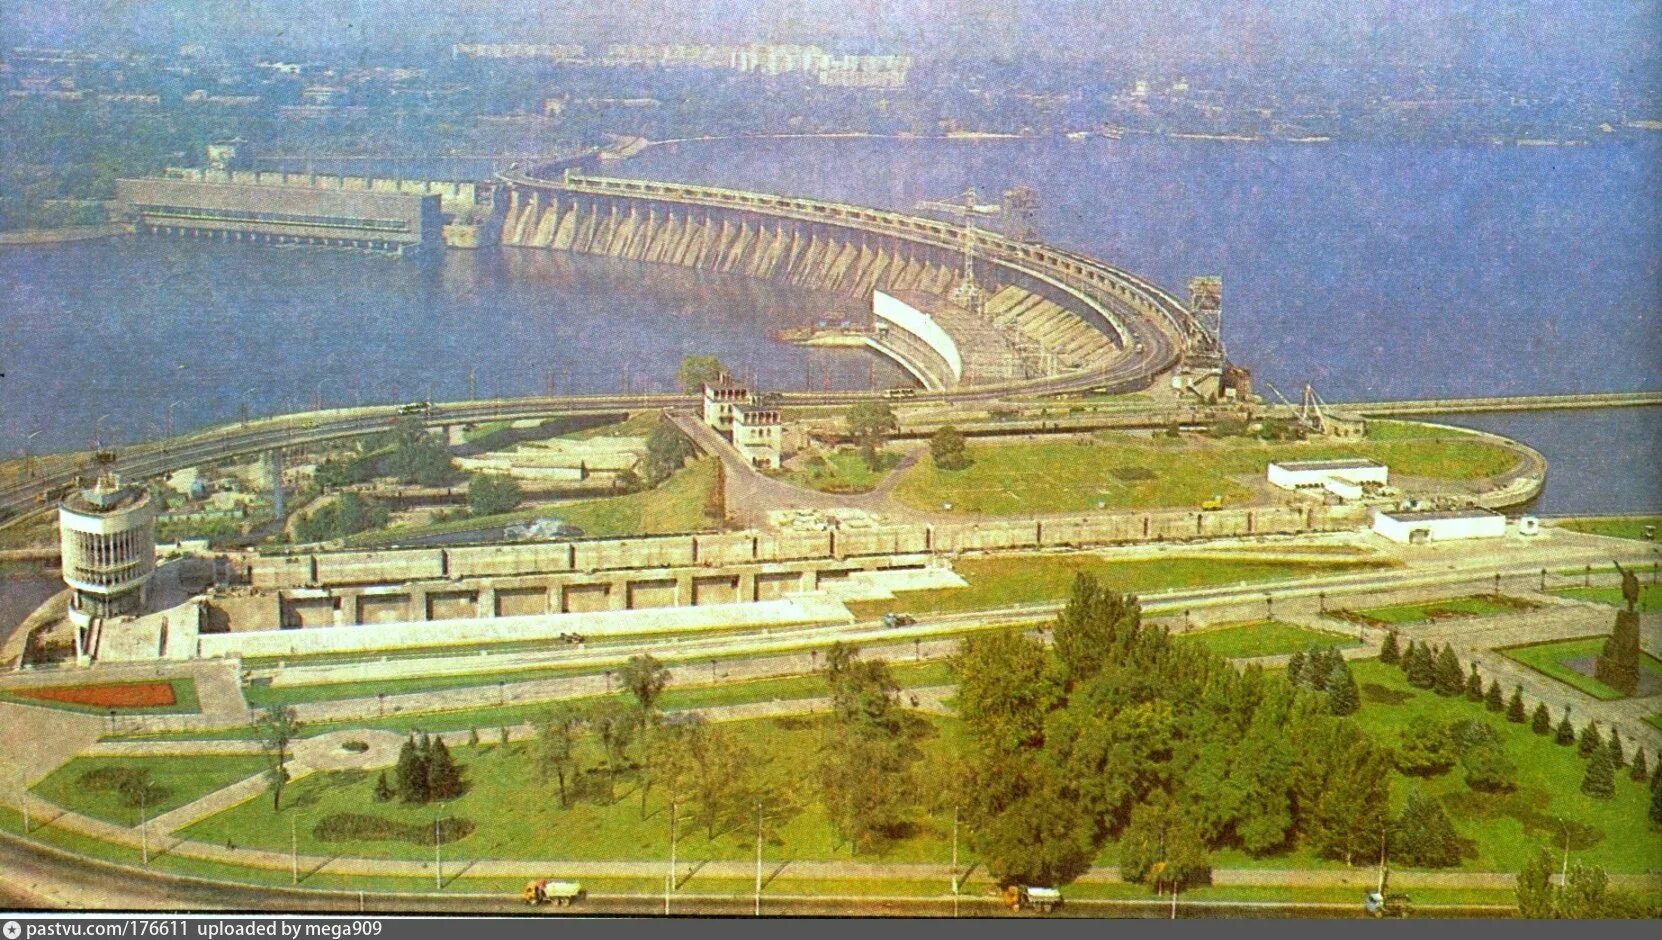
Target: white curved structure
pixel 108 537
pixel 903 316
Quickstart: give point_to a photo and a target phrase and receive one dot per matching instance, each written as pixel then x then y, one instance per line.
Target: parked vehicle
pixel 893 620
pixel 1025 897
pixel 415 408
pixel 900 391
pixel 549 891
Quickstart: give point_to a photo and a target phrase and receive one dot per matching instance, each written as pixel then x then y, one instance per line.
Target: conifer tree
pixel 1565 734
pixel 1656 803
pixel 1494 699
pixel 1342 695
pixel 1515 707
pixel 1617 756
pixel 1423 835
pixel 1590 740
pixel 1389 652
pixel 411 773
pixel 1419 669
pixel 444 778
pixel 1641 768
pixel 1474 685
pixel 1295 668
pixel 1448 681
pixel 1599 781
pixel 383 791
pixel 1541 721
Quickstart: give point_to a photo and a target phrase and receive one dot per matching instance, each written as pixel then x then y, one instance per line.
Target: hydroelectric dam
pixel 997 315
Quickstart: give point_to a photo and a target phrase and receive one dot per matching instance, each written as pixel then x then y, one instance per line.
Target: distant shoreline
pixel 54 236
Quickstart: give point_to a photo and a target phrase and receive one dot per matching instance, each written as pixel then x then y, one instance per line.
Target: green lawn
pixel 1476 605
pixel 1005 581
pixel 515 816
pixel 1263 638
pixel 1622 527
pixel 1654 721
pixel 845 471
pixel 184 701
pixel 488 720
pixel 1650 596
pixel 1508 827
pixel 1120 471
pixel 677 505
pixel 1548 658
pixel 173 781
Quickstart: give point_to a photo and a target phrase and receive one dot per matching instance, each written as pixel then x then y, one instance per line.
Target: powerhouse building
pixel 398 223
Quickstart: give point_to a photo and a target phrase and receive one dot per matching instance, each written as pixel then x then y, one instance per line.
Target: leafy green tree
pixel 444 776
pixel 1565 733
pixel 696 371
pixel 1022 820
pixel 723 777
pixel 1590 740
pixel 1489 768
pixel 1342 788
pixel 411 773
pixel 866 785
pixel 645 678
pixel 1342 694
pixel 418 457
pixel 277 726
pixel 1447 680
pixel 1599 781
pixel 1515 712
pixel 1537 896
pixel 1541 721
pixel 1426 749
pixel 1004 689
pixel 1584 894
pixel 1089 625
pixel 1474 686
pixel 1163 849
pixel 490 494
pixel 1389 652
pixel 554 755
pixel 1423 836
pixel 613 725
pixel 863 691
pixel 947 448
pixel 667 450
pixel 870 423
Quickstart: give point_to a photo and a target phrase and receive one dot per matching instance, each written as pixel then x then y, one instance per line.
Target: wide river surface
pixel 1372 271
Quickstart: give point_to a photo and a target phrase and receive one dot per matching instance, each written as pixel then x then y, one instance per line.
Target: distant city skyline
pixel 1576 37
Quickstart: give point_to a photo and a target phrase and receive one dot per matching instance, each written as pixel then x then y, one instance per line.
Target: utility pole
pixel 669 876
pixel 954 861
pixel 1564 870
pixel 438 854
pixel 294 851
pixel 472 384
pixel 144 822
pixel 758 858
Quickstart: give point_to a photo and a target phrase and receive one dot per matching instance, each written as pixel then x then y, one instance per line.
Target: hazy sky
pixel 1571 35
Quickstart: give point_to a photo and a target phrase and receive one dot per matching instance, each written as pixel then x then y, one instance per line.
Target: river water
pixel 1372 271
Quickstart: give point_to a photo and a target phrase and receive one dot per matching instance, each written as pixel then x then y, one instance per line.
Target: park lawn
pixel 515 816
pixel 845 471
pixel 1508 827
pixel 184 700
pixel 1475 605
pixel 180 779
pixel 1621 527
pixel 1655 721
pixel 1010 580
pixel 1548 659
pixel 1650 596
pixel 637 424
pixel 1118 471
pixel 1263 638
pixel 676 505
pixel 488 720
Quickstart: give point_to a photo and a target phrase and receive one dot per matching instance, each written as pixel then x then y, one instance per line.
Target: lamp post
pixel 28 458
pixel 170 406
pixel 144 821
pixel 954 861
pixel 247 394
pixel 1269 606
pixel 294 849
pixel 758 858
pixel 669 876
pixel 98 432
pixel 1564 870
pixel 438 850
pixel 317 398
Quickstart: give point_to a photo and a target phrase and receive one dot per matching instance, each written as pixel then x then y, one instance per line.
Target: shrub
pixel 362 827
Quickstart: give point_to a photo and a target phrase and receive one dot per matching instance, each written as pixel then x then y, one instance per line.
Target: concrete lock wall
pixel 742 548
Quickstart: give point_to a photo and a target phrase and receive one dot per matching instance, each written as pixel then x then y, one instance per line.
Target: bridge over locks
pixel 1040 318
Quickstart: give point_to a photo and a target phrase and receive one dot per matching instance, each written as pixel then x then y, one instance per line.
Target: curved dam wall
pixel 826 245
pixel 901 315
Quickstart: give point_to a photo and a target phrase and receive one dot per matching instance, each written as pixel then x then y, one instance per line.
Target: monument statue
pixel 1630 586
pixel 1618 663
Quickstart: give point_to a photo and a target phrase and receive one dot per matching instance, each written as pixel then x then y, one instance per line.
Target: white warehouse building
pixel 1315 474
pixel 1420 527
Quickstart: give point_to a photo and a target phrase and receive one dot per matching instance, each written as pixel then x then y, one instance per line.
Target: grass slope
pixel 181 780
pixel 1548 659
pixel 1263 638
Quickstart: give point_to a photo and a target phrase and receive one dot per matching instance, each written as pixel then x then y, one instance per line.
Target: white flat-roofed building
pixel 1441 526
pixel 759 435
pixel 719 399
pixel 107 534
pixel 1317 474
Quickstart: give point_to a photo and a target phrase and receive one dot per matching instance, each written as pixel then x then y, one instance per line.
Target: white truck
pixel 549 891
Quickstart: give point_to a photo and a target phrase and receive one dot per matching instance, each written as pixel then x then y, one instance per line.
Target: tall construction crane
pixel 1310 412
pixel 966 293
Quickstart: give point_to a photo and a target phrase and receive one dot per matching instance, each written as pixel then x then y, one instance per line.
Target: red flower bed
pixel 116 695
